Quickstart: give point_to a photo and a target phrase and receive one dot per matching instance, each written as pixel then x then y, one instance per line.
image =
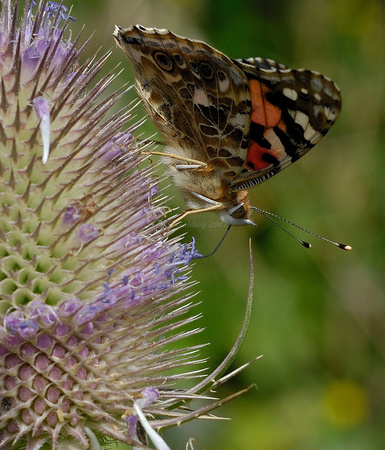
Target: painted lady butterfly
pixel 229 124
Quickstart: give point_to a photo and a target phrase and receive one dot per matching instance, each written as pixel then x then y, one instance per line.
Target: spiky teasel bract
pixel 89 276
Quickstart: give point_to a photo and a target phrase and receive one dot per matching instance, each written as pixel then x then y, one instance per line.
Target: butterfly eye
pixel 163 60
pixel 238 212
pixel 207 71
pixel 178 59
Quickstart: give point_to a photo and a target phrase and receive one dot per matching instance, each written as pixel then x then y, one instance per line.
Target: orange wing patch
pixel 264 113
pixel 265 147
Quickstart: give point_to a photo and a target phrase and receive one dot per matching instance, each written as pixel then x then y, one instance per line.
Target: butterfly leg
pixel 189 212
pixel 192 164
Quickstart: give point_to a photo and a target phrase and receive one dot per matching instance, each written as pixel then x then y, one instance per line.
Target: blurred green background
pixel 319 314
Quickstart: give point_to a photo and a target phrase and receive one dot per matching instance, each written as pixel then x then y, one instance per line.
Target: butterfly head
pixel 233 208
pixel 239 211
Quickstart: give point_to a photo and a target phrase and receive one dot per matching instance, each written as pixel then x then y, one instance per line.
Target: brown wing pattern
pixel 196 96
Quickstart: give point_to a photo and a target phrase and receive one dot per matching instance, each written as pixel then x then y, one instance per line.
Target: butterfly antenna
pixel 218 245
pixel 272 217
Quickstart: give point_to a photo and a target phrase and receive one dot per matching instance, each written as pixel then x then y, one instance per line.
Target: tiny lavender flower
pixel 88 273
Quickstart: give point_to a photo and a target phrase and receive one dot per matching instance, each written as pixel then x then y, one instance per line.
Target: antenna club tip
pixel 348 248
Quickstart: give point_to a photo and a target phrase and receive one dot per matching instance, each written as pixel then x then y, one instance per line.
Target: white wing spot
pixel 317 84
pixel 224 84
pixel 310 133
pixel 329 114
pixel 317 96
pixel 200 97
pixel 290 93
pixel 161 31
pixel 328 90
pixel 302 119
pixel 238 120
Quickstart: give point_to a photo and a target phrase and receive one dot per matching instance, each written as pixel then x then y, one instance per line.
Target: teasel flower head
pixel 92 284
